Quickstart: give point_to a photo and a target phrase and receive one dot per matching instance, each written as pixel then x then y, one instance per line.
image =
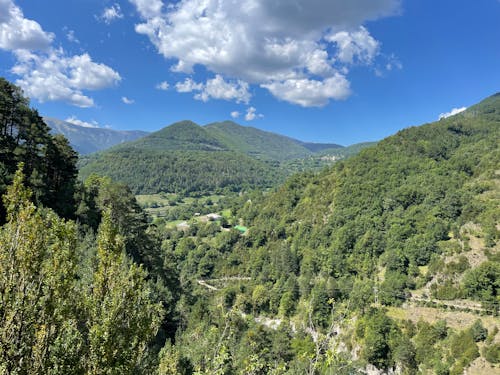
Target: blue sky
pixel 317 70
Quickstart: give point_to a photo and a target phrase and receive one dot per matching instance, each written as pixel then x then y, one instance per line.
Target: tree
pixel 122 319
pixel 37 288
pixel 49 161
pixel 55 319
pixel 61 172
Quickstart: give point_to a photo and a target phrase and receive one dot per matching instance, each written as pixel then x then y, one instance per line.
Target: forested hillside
pixel 259 144
pixel 351 267
pixel 185 157
pixel 385 262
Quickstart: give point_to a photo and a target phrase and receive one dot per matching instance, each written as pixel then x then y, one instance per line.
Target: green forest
pixel 223 157
pixel 387 260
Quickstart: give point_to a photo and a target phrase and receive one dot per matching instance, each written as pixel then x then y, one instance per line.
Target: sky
pixel 341 71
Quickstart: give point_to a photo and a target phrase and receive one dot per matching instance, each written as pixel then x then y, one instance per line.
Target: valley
pixel 252 187
pixel 240 260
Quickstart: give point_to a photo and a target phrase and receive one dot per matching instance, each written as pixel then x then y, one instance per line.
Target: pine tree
pixel 122 319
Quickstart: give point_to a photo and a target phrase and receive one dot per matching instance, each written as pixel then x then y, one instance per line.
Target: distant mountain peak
pixel 86 140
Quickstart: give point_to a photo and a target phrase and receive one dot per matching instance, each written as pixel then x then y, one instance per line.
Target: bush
pixel 492 353
pixel 479 333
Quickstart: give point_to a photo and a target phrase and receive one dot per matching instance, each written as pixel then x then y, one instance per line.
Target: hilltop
pixel 186 157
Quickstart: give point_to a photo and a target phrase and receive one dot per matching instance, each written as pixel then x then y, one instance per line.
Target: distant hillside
pixel 345 152
pixel 394 252
pixel 87 140
pixel 181 136
pixel 318 147
pixel 186 157
pixel 258 143
pixel 183 157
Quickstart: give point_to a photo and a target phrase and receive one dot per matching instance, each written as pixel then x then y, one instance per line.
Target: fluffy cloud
pixel 111 13
pixel 127 100
pixel 235 114
pixel 17 32
pixel 216 88
pixel 309 92
pixel 188 86
pixel 252 114
pixel 453 112
pixel 47 73
pixel 55 76
pixel 75 121
pixel 148 8
pixel 358 46
pixel 273 44
pixel 163 86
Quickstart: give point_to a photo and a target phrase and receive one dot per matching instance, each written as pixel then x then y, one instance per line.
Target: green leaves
pixel 49 163
pixel 54 322
pixel 37 282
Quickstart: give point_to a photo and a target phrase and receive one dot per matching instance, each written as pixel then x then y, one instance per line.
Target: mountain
pixel 181 136
pixel 86 140
pixel 183 157
pixel 390 258
pixel 258 143
pixel 186 157
pixel 319 147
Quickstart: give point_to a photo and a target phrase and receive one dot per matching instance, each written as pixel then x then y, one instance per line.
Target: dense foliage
pixel 185 158
pixel 306 279
pixel 149 172
pixel 326 248
pixel 49 161
pixel 60 315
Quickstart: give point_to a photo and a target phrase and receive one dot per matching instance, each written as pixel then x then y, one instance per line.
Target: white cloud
pixel 127 100
pixel 17 32
pixel 47 73
pixel 357 46
pixel 235 114
pixel 311 93
pixel 252 114
pixel 148 8
pixel 55 76
pixel 188 86
pixel 216 88
pixel 264 42
pixel 453 112
pixel 70 35
pixel 75 121
pixel 111 13
pixel 86 74
pixel 163 86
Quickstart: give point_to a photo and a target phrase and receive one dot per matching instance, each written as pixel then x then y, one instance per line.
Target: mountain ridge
pixel 86 140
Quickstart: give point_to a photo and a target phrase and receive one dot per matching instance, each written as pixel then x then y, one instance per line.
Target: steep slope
pixel 328 251
pixel 257 143
pixel 87 140
pixel 180 158
pixel 399 198
pixel 183 135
